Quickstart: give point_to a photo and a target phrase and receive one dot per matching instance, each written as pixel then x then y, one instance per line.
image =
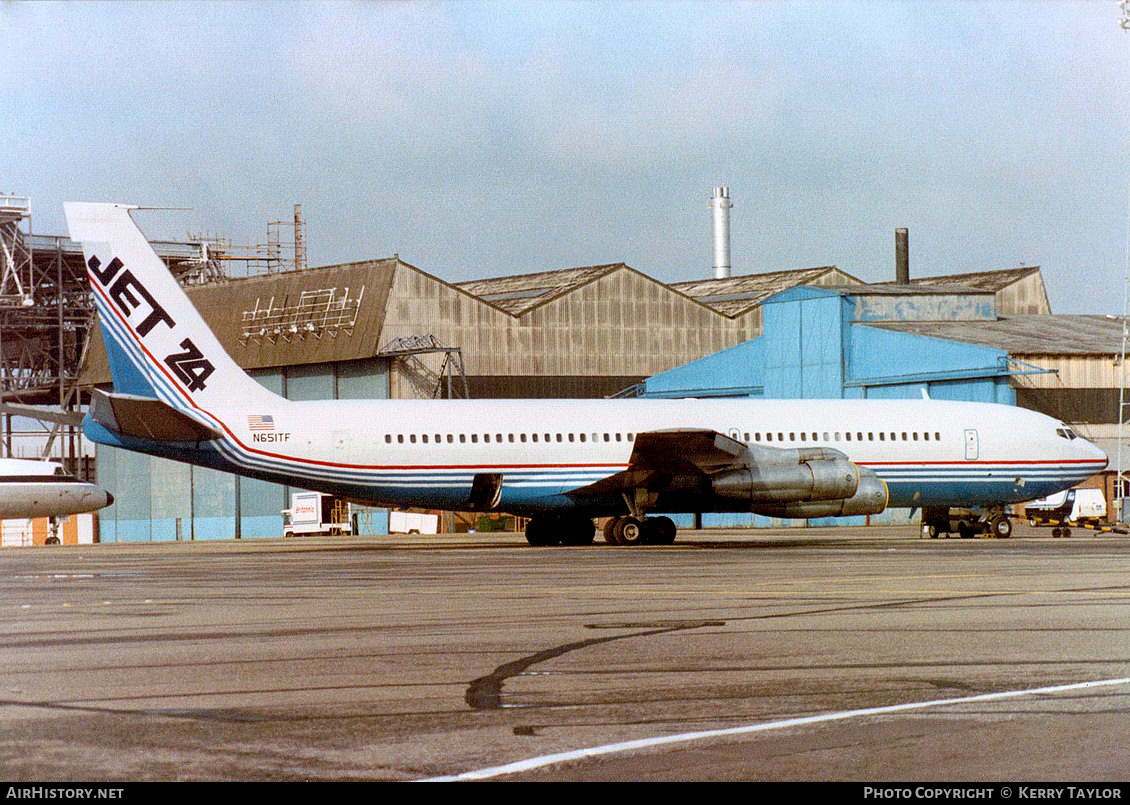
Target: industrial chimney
pixel 902 257
pixel 720 213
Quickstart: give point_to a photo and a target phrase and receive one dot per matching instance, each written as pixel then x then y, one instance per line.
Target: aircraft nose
pixel 1096 453
pixel 109 499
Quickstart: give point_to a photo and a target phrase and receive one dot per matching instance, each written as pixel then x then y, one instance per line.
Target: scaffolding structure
pixel 277 254
pixel 46 313
pixel 448 382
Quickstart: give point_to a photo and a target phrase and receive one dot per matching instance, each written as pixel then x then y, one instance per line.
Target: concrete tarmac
pixel 408 658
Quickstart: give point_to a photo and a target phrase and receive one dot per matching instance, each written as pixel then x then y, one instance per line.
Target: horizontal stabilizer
pixel 147 418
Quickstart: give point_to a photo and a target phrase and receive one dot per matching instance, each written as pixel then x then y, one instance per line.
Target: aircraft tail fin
pixel 158 345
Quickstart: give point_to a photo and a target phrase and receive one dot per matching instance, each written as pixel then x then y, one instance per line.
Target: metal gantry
pixel 449 382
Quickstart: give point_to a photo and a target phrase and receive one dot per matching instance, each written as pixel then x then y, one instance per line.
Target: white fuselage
pixel 426 453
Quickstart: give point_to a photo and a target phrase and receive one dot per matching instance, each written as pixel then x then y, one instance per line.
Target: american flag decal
pixel 260 422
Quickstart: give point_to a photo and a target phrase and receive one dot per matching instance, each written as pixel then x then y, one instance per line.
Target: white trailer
pixel 316 513
pixel 412 523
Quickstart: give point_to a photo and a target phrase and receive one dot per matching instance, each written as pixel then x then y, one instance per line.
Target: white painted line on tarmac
pixel 645 743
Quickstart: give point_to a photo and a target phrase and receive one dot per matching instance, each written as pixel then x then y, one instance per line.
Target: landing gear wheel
pixel 542 532
pixel 610 531
pixel 660 531
pixel 628 531
pixel 577 531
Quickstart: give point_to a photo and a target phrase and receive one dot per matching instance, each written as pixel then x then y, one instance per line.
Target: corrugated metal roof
pixel 983 280
pixel 733 296
pixel 523 292
pixel 1033 334
pixel 897 289
pixel 222 304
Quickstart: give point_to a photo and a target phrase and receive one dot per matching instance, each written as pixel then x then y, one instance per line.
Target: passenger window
pixel 937 436
pixel 848 436
pixel 400 438
pixel 768 437
pixel 522 437
pixel 388 438
pixel 474 438
pixel 424 438
pixel 462 438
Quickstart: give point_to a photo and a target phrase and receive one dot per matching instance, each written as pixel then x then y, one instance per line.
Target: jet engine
pixel 786 476
pixel 870 498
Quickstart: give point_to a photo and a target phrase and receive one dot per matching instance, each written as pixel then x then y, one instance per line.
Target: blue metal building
pixel 823 343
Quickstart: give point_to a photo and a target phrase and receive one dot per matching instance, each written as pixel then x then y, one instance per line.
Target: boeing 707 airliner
pixel 179 395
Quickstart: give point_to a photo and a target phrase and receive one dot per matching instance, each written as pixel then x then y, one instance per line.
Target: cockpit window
pixel 1065 432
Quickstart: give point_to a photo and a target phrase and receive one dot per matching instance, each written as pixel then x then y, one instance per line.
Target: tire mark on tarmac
pixel 485 693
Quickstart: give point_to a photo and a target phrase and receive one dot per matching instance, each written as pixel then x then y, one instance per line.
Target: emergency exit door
pixel 970 445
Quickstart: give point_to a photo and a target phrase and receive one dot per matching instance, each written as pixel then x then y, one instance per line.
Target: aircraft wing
pixel 710 467
pixel 659 455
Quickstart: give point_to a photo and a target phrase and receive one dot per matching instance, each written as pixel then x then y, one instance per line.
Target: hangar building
pixel 901 340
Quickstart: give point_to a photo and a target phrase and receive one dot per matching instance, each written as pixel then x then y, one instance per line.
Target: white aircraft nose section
pixel 1095 453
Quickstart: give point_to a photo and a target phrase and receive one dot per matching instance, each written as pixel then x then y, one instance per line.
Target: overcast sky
pixel 483 139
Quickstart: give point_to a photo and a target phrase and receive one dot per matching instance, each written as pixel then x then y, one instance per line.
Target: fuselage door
pixel 736 435
pixel 971 445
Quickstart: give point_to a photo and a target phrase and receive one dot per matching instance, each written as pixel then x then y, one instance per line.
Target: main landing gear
pixel 576 530
pixel 640 531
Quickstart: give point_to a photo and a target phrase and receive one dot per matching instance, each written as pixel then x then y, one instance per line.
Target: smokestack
pixel 902 257
pixel 299 239
pixel 720 213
